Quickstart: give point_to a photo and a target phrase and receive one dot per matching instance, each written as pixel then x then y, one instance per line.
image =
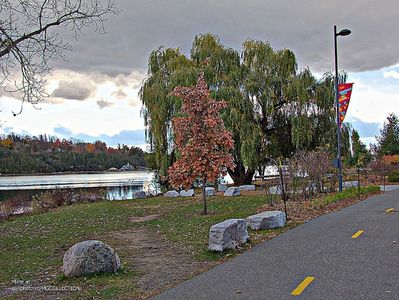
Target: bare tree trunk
pixel 241 176
pixel 205 211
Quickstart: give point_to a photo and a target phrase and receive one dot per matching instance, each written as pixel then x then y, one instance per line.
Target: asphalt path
pixel 342 267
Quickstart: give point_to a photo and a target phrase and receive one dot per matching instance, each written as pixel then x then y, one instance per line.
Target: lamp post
pixel 343 32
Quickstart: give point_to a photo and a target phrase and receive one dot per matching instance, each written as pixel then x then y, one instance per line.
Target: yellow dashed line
pixel 389 210
pixel 302 286
pixel 357 234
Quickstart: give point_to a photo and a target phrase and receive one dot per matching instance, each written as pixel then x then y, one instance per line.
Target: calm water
pixel 117 186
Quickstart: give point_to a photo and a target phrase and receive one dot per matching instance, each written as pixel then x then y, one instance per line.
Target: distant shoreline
pixel 72 173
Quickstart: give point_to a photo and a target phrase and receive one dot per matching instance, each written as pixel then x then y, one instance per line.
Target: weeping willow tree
pixel 273 108
pixel 167 68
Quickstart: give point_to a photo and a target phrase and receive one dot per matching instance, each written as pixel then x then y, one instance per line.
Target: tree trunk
pixel 205 211
pixel 241 176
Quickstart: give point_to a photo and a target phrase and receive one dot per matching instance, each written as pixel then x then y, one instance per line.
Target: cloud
pixel 103 103
pixel 304 26
pixel 119 94
pixel 73 90
pixel 127 137
pixel 391 74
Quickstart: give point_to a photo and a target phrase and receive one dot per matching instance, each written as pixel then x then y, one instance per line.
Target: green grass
pixel 187 226
pixel 345 194
pixel 33 246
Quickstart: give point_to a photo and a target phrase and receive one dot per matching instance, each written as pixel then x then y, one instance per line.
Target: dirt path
pixel 160 263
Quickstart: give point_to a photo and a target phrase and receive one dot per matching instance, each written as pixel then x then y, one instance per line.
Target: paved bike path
pixel 343 268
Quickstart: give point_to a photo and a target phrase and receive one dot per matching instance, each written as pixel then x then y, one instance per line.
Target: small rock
pixel 350 184
pixel 171 194
pixel 267 220
pixel 228 234
pixel 275 190
pixel 247 187
pixel 89 257
pixel 188 193
pixel 232 191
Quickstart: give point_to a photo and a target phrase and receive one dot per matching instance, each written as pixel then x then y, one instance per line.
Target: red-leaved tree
pixel 201 139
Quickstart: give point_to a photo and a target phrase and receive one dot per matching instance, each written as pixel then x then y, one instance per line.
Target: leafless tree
pixel 30 40
pixel 315 164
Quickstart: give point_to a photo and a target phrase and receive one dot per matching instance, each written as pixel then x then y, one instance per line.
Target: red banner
pixel 344 96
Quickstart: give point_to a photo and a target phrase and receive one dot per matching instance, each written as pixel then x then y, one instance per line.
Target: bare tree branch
pixel 29 38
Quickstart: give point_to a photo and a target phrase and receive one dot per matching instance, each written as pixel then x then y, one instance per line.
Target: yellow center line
pixel 302 286
pixel 389 210
pixel 357 234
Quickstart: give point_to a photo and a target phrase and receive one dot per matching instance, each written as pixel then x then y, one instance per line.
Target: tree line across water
pixel 47 154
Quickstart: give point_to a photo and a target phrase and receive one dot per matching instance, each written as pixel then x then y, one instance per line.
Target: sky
pixel 94 92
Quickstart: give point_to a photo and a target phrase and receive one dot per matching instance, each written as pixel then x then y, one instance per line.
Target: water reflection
pixel 109 193
pixel 122 192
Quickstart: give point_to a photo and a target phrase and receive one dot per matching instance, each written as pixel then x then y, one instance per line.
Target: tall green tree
pixel 360 155
pixel 273 108
pixel 388 141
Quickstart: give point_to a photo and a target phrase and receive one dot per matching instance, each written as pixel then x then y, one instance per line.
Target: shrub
pixel 393 176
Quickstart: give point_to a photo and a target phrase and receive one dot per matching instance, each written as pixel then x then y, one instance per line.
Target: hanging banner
pixel 344 96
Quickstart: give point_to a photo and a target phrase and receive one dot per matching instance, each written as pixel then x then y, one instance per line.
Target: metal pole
pixel 337 108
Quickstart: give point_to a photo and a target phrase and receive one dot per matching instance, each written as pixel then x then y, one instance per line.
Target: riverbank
pixel 141 169
pixel 161 241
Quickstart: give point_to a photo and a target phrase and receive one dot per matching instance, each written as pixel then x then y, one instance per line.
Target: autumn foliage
pixel 201 138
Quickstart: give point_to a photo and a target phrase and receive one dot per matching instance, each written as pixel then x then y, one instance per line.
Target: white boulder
pixel 232 191
pixel 188 193
pixel 350 184
pixel 228 234
pixel 90 257
pixel 275 190
pixel 267 220
pixel 171 194
pixel 247 187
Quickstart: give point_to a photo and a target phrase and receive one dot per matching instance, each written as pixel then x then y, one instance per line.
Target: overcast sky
pixel 94 93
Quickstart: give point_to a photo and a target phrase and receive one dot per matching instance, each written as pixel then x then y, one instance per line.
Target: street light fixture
pixel 343 32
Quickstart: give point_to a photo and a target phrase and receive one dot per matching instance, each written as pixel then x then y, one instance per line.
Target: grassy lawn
pixel 32 247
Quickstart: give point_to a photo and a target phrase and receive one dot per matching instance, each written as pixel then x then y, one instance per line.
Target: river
pixel 117 185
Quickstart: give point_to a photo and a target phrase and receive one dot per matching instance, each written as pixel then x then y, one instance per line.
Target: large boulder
pixel 188 193
pixel 139 195
pixel 228 234
pixel 210 191
pixel 222 187
pixel 267 220
pixel 232 191
pixel 89 257
pixel 247 187
pixel 171 194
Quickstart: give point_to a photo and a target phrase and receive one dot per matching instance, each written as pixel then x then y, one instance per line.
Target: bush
pixel 393 176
